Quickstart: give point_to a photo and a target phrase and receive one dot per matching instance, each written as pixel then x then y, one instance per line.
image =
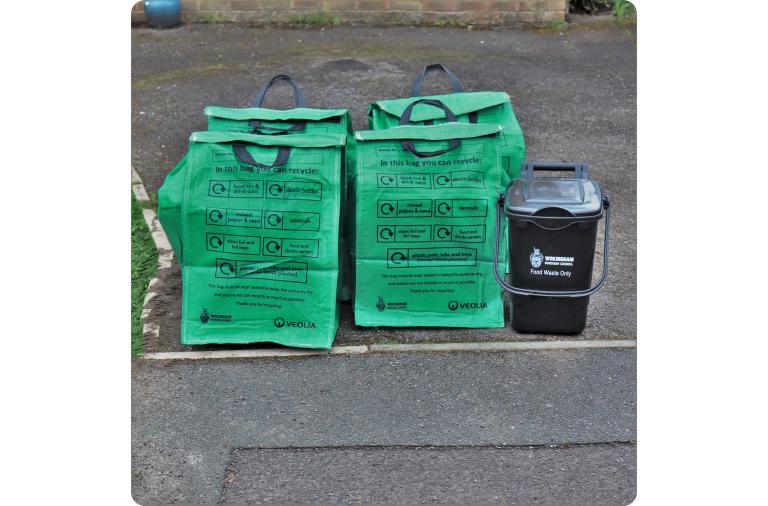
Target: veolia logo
pixel 454 305
pixel 282 322
pixel 537 258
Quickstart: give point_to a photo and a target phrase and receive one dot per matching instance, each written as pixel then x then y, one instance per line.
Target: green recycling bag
pixel 299 120
pixel 169 197
pixel 479 107
pixel 424 226
pixel 259 219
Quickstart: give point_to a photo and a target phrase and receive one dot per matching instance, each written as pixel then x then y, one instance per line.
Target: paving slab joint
pixel 500 446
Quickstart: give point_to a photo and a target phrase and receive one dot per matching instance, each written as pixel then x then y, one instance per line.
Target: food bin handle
pixel 550 293
pixel 580 169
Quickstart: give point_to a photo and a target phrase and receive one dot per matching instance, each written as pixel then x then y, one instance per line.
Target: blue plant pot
pixel 162 13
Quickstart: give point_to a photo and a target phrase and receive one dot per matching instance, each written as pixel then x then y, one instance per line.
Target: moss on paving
pixel 173 75
pixel 143 265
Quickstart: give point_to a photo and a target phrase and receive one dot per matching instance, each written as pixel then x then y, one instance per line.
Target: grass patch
pixel 451 22
pixel 314 19
pixel 558 26
pixel 211 19
pixel 143 265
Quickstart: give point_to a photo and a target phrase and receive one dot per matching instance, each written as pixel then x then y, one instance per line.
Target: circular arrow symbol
pixel 443 180
pixel 442 233
pixel 274 222
pixel 387 179
pixel 215 241
pixel 443 208
pixel 226 268
pixel 215 215
pixel 397 258
pixel 275 190
pixel 386 208
pixel 219 188
pixel 273 247
pixel 386 233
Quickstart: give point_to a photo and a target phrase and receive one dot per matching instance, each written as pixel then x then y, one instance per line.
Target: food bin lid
pixel 537 192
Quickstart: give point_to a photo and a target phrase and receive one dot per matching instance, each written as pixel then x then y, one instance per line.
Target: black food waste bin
pixel 553 211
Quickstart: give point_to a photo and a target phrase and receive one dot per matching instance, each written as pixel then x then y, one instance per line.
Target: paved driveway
pixel 574 93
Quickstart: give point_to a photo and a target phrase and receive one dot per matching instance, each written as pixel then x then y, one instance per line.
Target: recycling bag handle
pixel 409 146
pixel 419 81
pixel 260 128
pixel 242 154
pixel 550 293
pixel 580 169
pixel 297 93
pixel 406 118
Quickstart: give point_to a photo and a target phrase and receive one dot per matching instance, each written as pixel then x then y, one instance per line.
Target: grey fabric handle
pixel 262 129
pixel 406 118
pixel 419 81
pixel 242 154
pixel 297 93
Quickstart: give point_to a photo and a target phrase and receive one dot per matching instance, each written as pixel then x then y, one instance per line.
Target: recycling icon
pixel 398 258
pixel 272 247
pixel 226 269
pixel 386 233
pixel 276 189
pixel 274 220
pixel 215 242
pixel 215 216
pixel 218 189
pixel 387 209
pixel 444 208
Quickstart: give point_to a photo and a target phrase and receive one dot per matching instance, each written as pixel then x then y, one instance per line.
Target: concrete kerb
pixel 497 347
pixel 164 252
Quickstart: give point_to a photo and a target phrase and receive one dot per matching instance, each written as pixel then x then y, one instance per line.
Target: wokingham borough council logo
pixel 536 258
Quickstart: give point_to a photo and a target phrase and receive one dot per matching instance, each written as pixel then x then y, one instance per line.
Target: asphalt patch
pixel 344 65
pixel 189 415
pixel 591 474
